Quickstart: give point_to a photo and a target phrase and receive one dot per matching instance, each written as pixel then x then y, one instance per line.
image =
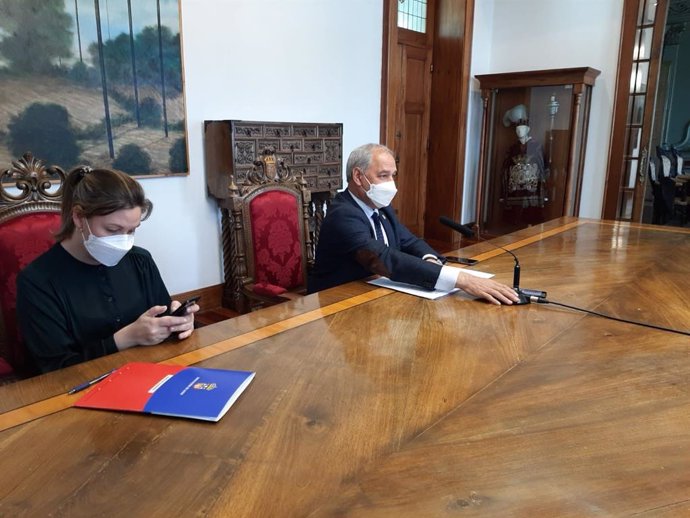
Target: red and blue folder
pixel 171 390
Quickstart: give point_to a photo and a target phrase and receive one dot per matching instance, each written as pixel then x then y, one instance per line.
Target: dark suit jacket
pixel 348 250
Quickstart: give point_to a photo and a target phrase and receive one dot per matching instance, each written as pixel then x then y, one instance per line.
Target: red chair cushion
pixel 276 241
pixel 5 368
pixel 267 290
pixel 22 239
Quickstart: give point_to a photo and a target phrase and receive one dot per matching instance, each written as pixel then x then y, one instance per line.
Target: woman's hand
pixel 183 325
pixel 150 329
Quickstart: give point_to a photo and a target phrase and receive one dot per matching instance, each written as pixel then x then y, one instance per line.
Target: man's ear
pixel 357 176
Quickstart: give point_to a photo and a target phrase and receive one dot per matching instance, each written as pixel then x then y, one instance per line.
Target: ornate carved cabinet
pixel 534 134
pixel 232 146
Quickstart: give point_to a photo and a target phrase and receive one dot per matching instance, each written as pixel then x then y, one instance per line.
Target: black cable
pixel 542 300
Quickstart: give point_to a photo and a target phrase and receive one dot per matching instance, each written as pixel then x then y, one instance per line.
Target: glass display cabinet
pixel 534 134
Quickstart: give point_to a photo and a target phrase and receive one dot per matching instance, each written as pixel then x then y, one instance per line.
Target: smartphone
pixel 461 260
pixel 182 310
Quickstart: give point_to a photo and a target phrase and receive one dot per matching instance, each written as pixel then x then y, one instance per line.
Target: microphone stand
pixel 539 297
pixel 524 295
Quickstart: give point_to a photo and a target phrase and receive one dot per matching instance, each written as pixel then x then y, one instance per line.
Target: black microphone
pixel 523 294
pixel 458 227
pixel 466 231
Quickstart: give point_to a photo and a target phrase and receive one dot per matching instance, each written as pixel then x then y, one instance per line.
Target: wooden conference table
pixel 369 402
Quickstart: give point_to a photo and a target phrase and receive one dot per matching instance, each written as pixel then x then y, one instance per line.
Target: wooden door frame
pixel 614 170
pixel 388 15
pixel 445 187
pixel 448 125
pixel 406 94
pixel 650 101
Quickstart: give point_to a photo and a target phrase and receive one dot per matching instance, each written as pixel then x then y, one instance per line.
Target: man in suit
pixel 361 236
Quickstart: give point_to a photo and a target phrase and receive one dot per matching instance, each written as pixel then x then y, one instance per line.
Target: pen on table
pixel 87 384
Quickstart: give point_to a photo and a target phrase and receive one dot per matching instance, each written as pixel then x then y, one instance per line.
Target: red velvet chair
pixel 29 215
pixel 266 243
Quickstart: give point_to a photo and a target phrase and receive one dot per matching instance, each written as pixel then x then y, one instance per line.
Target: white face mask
pixel 381 194
pixel 108 250
pixel 522 132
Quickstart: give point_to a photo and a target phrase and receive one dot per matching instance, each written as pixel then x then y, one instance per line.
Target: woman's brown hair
pixel 99 192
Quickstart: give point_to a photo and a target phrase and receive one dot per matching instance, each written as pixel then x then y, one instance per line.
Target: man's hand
pixel 488 289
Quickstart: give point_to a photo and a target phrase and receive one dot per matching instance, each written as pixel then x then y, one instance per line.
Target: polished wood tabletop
pixel 369 402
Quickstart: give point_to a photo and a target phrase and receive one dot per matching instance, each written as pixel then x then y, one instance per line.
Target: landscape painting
pixel 93 82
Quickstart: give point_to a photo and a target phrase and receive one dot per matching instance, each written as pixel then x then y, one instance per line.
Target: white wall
pixel 320 61
pixel 276 60
pixel 544 34
pixel 480 64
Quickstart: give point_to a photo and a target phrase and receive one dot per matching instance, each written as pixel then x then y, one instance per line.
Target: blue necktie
pixel 377 226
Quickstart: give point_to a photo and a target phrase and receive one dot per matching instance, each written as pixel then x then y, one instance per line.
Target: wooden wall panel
pixel 448 125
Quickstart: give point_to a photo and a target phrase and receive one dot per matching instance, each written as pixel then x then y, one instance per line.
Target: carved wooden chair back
pixel 30 196
pixel 266 241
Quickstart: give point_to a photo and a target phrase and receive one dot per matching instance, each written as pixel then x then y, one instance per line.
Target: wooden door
pixel 406 98
pixel 638 73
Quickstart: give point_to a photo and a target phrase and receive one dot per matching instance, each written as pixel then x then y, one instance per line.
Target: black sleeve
pixel 355 239
pixel 156 292
pixel 45 327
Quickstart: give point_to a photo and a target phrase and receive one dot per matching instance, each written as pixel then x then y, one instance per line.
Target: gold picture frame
pixel 93 82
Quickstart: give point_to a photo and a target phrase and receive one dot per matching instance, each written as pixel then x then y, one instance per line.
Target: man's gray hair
pixel 360 157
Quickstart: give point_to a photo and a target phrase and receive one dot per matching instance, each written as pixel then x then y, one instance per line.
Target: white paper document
pixel 385 282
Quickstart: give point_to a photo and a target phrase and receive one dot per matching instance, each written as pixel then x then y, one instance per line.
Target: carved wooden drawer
pixel 232 146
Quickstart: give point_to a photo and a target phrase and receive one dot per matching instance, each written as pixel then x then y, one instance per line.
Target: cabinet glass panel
pixel 631 173
pixel 627 205
pixel 533 146
pixel 647 12
pixel 643 43
pixel 633 148
pixel 529 157
pixel 636 108
pixel 638 80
